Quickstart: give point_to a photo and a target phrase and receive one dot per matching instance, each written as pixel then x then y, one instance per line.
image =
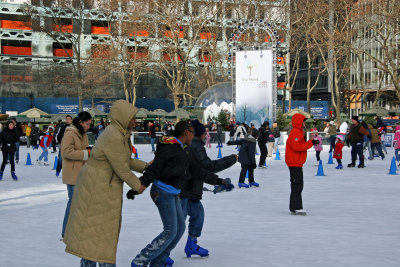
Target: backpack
pixel 34 134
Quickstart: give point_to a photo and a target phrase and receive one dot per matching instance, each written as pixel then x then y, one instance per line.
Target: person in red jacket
pixel 337 153
pixel 295 157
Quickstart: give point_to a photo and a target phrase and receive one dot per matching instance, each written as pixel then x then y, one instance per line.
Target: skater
pixel 382 136
pixel 28 130
pixel 337 153
pixel 232 130
pixel 219 135
pixel 171 167
pixel 396 143
pixel 35 134
pixel 277 135
pixel 318 147
pixel 8 139
pixel 59 136
pixel 262 144
pixel 192 193
pixel 208 139
pixel 332 135
pixel 153 136
pixel 375 142
pixel 95 217
pixel 240 133
pixel 45 143
pixel 18 127
pixel 74 153
pixel 367 141
pixel 270 142
pixel 356 138
pixel 247 158
pixel 296 156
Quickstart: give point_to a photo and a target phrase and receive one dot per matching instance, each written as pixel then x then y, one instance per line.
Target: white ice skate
pixel 46 163
pixel 39 162
pixel 298 212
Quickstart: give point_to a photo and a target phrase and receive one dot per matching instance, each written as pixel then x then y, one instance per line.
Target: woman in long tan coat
pixel 95 219
pixel 74 153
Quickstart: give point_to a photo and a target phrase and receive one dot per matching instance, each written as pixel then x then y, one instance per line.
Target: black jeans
pixel 264 153
pixel 296 186
pixel 5 158
pixel 317 154
pixel 357 149
pixel 332 140
pixel 243 172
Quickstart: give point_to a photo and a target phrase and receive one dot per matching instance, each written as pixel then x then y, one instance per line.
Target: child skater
pixel 208 139
pixel 318 147
pixel 337 153
pixel 247 158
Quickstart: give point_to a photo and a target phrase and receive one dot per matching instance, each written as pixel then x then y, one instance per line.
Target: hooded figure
pixel 296 155
pixel 95 217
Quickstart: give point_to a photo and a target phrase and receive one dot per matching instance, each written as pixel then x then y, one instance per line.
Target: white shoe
pixel 46 163
pixel 39 162
pixel 299 212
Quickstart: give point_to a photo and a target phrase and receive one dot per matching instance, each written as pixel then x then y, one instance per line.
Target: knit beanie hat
pixel 198 127
pixel 354 118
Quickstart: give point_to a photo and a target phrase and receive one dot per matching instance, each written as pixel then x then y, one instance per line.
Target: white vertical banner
pixel 254 87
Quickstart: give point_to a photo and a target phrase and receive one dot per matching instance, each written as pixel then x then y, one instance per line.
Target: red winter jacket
pixel 296 146
pixel 337 153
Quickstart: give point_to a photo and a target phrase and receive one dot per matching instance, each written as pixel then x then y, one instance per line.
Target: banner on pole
pixel 255 97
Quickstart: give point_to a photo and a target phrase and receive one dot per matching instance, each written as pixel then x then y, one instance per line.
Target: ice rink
pixel 353 218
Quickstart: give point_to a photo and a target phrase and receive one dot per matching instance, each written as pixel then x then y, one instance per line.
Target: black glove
pixel 253 166
pixel 131 194
pixel 223 187
pixel 229 143
pixel 315 142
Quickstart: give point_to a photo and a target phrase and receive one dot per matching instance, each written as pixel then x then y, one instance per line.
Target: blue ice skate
pixel 192 248
pixel 243 185
pixel 339 166
pixel 254 184
pixel 1 176
pixel 14 176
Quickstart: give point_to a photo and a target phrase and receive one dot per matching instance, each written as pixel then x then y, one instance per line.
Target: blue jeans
pixel 396 151
pixel 170 209
pixel 70 189
pixel 277 139
pixel 368 144
pixel 44 154
pixel 194 208
pixel 383 146
pixel 152 140
pixel 88 263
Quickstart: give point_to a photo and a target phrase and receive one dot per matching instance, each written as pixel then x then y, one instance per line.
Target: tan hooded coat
pixel 95 218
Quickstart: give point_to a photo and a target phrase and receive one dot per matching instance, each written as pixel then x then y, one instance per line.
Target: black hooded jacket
pixel 173 165
pixel 194 187
pixel 8 138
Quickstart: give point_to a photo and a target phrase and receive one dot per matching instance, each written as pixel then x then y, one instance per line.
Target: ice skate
pixel 1 176
pixel 15 178
pixel 339 166
pixel 351 165
pixel 298 212
pixel 46 163
pixel 254 184
pixel 243 185
pixel 192 248
pixel 39 162
pixel 361 165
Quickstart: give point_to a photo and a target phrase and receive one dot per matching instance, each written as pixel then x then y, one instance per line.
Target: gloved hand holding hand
pixel 131 194
pixel 227 181
pixel 315 142
pixel 229 143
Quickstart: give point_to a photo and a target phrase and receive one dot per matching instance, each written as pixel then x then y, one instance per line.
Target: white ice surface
pixel 353 218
